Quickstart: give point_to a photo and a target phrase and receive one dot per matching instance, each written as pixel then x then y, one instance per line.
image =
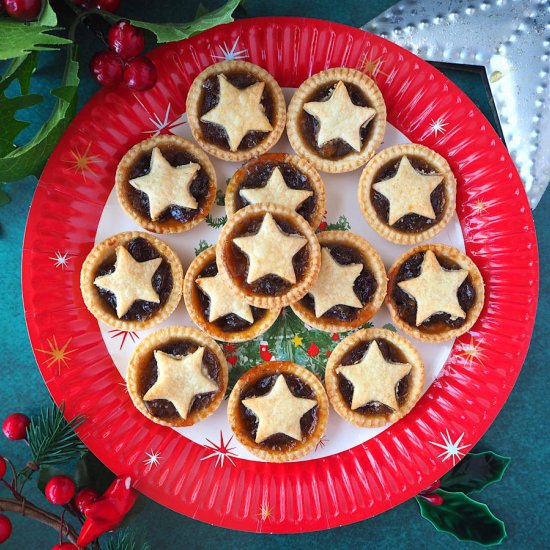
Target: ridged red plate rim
pixel 327 492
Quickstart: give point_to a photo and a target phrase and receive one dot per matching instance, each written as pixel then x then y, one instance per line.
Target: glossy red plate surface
pixel 316 494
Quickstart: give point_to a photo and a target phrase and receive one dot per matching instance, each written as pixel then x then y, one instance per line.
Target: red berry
pixel 3 467
pixel 335 336
pixel 24 10
pixel 65 546
pixel 232 359
pixel 107 68
pixel 84 498
pixel 15 426
pixel 107 5
pixel 5 528
pixel 322 226
pixel 436 500
pixel 140 74
pixel 125 39
pixel 313 350
pixel 60 490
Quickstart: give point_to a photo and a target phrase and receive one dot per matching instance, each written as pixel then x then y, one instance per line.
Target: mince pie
pixel 177 376
pixel 216 309
pixel 407 193
pixel 435 292
pixel 269 254
pixel 131 281
pixel 336 119
pixel 350 287
pixel 278 411
pixel 166 184
pixel 236 110
pixel 278 178
pixel 374 376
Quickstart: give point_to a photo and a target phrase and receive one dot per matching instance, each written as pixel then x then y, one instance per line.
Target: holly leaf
pixel 21 69
pixel 475 472
pixel 30 158
pixel 4 197
pixel 464 518
pixel 8 107
pixel 45 474
pixel 90 472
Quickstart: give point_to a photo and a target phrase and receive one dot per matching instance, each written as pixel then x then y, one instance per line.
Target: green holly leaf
pixel 90 472
pixel 21 69
pixel 475 472
pixel 9 107
pixel 20 38
pixel 45 474
pixel 464 518
pixel 169 32
pixel 4 197
pixel 30 158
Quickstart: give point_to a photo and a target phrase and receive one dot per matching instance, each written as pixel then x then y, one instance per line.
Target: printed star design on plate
pixel 221 451
pixel 265 512
pixel 231 53
pixel 371 66
pixel 153 459
pixel 124 386
pixel 472 351
pixel 164 124
pixel 60 260
pixel 438 126
pixel 451 449
pixel 479 207
pixel 124 335
pixel 57 355
pixel 82 162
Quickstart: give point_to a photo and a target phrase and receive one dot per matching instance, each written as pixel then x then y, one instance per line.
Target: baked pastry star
pixel 435 289
pixel 339 118
pixel 408 192
pixel 222 300
pixel 279 411
pixel 180 380
pixel 167 185
pixel 238 111
pixel 270 251
pixel 374 379
pixel 276 191
pixel 130 281
pixel 334 285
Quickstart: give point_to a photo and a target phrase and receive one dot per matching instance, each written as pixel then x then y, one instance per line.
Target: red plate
pixel 351 485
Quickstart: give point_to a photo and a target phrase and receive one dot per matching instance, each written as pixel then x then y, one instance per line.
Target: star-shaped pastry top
pixel 180 379
pixel 408 192
pixel 279 411
pixel 238 111
pixel 374 379
pixel 130 281
pixel 222 300
pixel 167 185
pixel 276 191
pixel 334 285
pixel 339 118
pixel 270 251
pixel 435 289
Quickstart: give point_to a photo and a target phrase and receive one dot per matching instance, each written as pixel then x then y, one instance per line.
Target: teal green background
pixel 520 499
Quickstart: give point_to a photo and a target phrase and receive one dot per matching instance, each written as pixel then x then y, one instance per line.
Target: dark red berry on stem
pixel 5 528
pixel 60 490
pixel 15 426
pixel 84 498
pixel 107 5
pixel 65 546
pixel 140 74
pixel 125 39
pixel 3 467
pixel 24 10
pixel 107 68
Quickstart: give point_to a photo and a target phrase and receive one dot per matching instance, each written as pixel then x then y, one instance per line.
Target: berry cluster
pixel 122 62
pixel 24 10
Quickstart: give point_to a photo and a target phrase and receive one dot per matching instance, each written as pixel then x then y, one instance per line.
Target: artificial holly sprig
pixel 446 504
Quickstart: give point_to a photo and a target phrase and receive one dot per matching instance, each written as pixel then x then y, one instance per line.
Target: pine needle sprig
pixel 52 439
pixel 126 539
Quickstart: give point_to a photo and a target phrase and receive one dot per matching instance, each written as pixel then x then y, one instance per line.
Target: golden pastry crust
pixel 300 164
pixel 263 370
pixel 372 260
pixel 354 159
pixel 105 249
pixel 143 354
pixel 193 305
pixel 416 377
pixel 123 187
pixel 473 313
pixel 393 154
pixel 193 105
pixel 295 291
